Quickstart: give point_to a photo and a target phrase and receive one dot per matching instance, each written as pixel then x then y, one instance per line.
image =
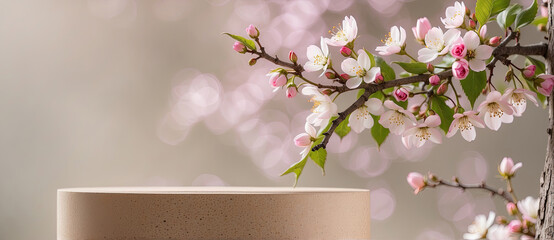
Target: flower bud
pixel 511 208
pixel 471 16
pixel 345 76
pixel 483 32
pixel 379 78
pixel 442 89
pixel 291 91
pixel 434 80
pixel 276 79
pixel 460 69
pixel 430 68
pixel 401 94
pixel 515 226
pixel 468 12
pixel 414 109
pixel 252 62
pixel 458 50
pixel 345 51
pixel 292 57
pixel 507 168
pixel 509 75
pixel 252 31
pixel 420 30
pixel 327 91
pixel 417 181
pixel 239 47
pixel 546 83
pixel 330 75
pixel 494 41
pixel 472 24
pixel 529 71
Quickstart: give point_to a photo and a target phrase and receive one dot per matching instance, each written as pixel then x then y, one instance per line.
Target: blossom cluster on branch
pixel 524 212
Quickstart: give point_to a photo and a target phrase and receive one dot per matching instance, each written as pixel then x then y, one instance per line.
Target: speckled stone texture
pixel 212 213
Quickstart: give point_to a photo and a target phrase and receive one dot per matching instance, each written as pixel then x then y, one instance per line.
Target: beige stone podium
pixel 212 213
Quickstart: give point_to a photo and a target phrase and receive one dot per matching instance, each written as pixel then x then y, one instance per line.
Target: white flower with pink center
pixel 420 133
pixel 500 232
pixel 344 34
pixel 324 108
pixel 305 140
pixel 507 167
pixel 455 15
pixel 480 226
pixel 437 44
pixel 361 119
pixel 420 30
pixel 394 43
pixel 529 208
pixel 496 110
pixel 466 123
pixel 397 119
pixel 359 70
pixel 476 54
pixel 318 58
pixel 518 99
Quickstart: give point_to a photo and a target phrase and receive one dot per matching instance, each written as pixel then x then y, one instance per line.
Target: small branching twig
pixel 435 182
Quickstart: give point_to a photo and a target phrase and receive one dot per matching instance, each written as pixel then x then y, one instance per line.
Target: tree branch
pixel 483 186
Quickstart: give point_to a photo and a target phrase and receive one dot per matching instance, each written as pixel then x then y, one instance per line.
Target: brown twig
pixel 483 186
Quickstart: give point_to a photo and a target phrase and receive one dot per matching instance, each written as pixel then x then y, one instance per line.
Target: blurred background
pixel 133 93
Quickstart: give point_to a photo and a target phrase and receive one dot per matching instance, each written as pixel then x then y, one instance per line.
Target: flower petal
pixel 450 36
pixel 310 130
pixel 374 106
pixel 370 75
pixel 471 40
pixel 492 122
pixel 477 65
pixel 349 66
pixel 436 136
pixel 483 52
pixel 324 47
pixel 355 123
pixel 426 55
pixel 313 51
pixel 354 82
pixel 363 60
pixel 311 67
pixel 468 134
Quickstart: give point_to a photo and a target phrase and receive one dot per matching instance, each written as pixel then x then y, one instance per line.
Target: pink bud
pixel 511 208
pixel 472 24
pixel 345 51
pixel 483 32
pixel 443 88
pixel 327 91
pixel 292 57
pixel 494 41
pixel 434 80
pixel 416 181
pixel 401 94
pixel 252 31
pixel 345 76
pixel 507 167
pixel 430 68
pixel 545 87
pixel 302 140
pixel 460 69
pixel 458 50
pixel 422 27
pixel 379 78
pixel 330 75
pixel 292 91
pixel 277 80
pixel 529 71
pixel 239 47
pixel 515 226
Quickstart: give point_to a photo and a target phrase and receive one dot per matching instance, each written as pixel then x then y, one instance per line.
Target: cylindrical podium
pixel 212 213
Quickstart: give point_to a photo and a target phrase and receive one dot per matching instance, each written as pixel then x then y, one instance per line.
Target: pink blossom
pixel 379 78
pixel 420 133
pixel 507 168
pixel 494 41
pixel 420 30
pixel 477 54
pixel 239 47
pixel 518 99
pixel 496 110
pixel 397 119
pixel 417 181
pixel 455 15
pixel 292 56
pixel 252 31
pixel 458 50
pixel 291 91
pixel 394 43
pixel 529 71
pixel 466 123
pixel 546 85
pixel 306 139
pixel 460 69
pixel 515 226
pixel 483 32
pixel 434 80
pixel 277 80
pixel 401 94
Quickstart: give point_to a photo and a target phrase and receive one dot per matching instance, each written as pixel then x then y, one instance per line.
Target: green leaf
pixel 343 129
pixel 319 157
pixel 379 95
pixel 247 42
pixel 446 63
pixel 386 70
pixel 473 85
pixel 526 16
pixel 541 20
pixel 413 67
pixel 483 10
pixel 507 17
pixel 360 93
pixel 296 168
pixel 499 6
pixel 371 58
pixel 446 113
pixel 541 68
pixel 403 104
pixel 378 132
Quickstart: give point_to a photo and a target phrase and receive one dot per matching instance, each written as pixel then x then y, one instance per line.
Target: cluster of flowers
pixel 525 212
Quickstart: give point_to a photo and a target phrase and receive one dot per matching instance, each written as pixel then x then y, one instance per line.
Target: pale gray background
pixel 89 91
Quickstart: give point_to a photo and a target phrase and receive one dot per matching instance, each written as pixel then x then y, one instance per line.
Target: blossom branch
pixel 435 182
